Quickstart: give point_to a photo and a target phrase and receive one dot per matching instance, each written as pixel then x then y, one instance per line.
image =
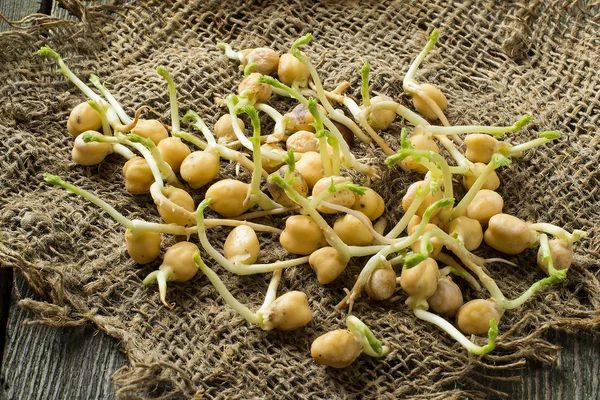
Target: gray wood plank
pixel 14 10
pixel 5 289
pixel 51 363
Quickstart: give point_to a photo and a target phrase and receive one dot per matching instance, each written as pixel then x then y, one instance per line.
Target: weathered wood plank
pixel 14 10
pixel 50 363
pixel 5 289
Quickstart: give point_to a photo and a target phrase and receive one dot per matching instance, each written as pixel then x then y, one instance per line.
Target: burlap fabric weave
pixel 495 61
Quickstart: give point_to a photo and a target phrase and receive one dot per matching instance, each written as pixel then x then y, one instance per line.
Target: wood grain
pixel 14 10
pixel 49 363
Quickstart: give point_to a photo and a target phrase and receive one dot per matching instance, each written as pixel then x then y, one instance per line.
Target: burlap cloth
pixel 495 61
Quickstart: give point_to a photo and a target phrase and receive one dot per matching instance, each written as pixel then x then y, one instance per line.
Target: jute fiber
pixel 495 61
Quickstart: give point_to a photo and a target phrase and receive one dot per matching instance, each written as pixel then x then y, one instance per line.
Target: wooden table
pixel 39 362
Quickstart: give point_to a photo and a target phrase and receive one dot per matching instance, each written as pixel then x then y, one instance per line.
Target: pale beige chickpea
pixel 423 141
pixel 412 223
pixel 271 165
pixel 299 119
pixel 180 259
pixel 143 247
pixel 227 197
pixel 292 72
pixel 420 281
pixel 199 168
pixel 371 204
pixel 172 215
pixel 327 263
pixel 302 235
pixel 484 206
pixel 344 198
pixel 381 119
pixel 310 166
pixel 381 284
pixel 491 183
pixel 138 175
pixel 224 129
pixel 302 142
pixel 468 229
pixel 151 129
pixel 509 234
pixel 481 147
pixel 242 245
pixel 336 349
pixel 289 311
pixel 83 118
pixel 447 298
pixel 411 194
pixel 279 194
pixel 434 93
pixel 255 90
pixel 352 231
pixel 173 151
pixel 474 317
pixel 266 60
pixel 562 255
pixel 435 242
pixel 90 153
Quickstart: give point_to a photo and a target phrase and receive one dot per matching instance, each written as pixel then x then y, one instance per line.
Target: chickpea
pixel 300 119
pixel 327 263
pixel 484 206
pixel 179 258
pixel 421 280
pixel 481 147
pixel 310 166
pixel 224 129
pixel 292 72
pixel 251 87
pixel 266 60
pixel 199 168
pixel 151 129
pixel 272 165
pixel 83 118
pixel 420 142
pixel 289 311
pixel 138 176
pixel 174 216
pixel 436 242
pixel 468 229
pixel 474 317
pixel 143 247
pixel 562 255
pixel 381 284
pixel 228 196
pixel 447 298
pixel 90 153
pixel 302 142
pixel 509 234
pixel 381 119
pixel 344 198
pixel 302 235
pixel 436 95
pixel 352 231
pixel 371 204
pixel 336 349
pixel 242 245
pixel 411 194
pixel 279 194
pixel 491 183
pixel 173 151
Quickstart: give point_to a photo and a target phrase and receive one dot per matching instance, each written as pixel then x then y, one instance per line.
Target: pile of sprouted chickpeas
pixel 303 163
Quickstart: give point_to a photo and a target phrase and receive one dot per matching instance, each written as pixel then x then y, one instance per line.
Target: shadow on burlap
pixel 495 62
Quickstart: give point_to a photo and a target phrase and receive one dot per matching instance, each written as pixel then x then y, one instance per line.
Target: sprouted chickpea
pixel 179 209
pixel 467 230
pixel 327 263
pixel 310 166
pixel 562 255
pixel 371 204
pixel 302 142
pixel 420 281
pixel 143 247
pixel 83 118
pixel 138 176
pixel 382 283
pixel 484 206
pixel 340 348
pixel 254 90
pixel 447 298
pixel 302 235
pixel 413 194
pixel 352 231
pixel 151 129
pixel 481 147
pixel 344 198
pixel 420 140
pixel 91 153
pixel 199 168
pixel 242 245
pixel 509 234
pixel 492 181
pixel 435 242
pixel 299 185
pixel 263 60
pixel 300 119
pixel 228 197
pixel 381 119
pixel 178 266
pixel 292 72
pixel 173 151
pixel 224 129
pixel 474 317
